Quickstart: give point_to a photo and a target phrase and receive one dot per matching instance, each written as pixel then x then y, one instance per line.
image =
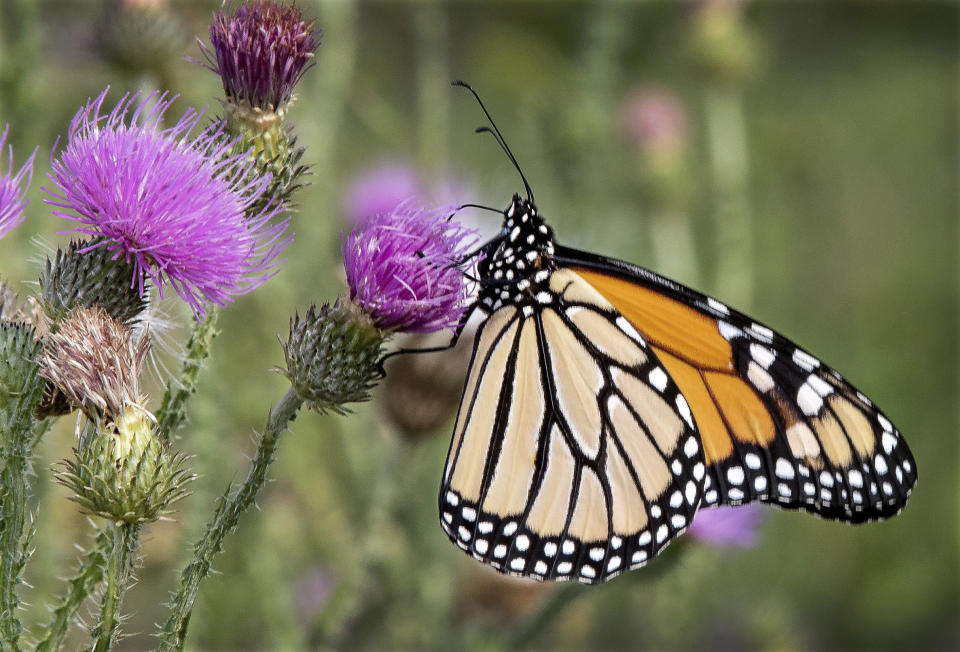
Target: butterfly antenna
pixel 497 135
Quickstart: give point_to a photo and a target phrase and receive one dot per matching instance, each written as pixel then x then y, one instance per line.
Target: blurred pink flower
pixel 728 526
pixel 656 119
pixel 381 189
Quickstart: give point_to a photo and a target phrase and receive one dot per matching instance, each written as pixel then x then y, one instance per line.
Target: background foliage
pixel 849 115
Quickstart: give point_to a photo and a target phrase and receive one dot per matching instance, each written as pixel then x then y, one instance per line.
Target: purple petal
pixel 727 526
pixel 173 206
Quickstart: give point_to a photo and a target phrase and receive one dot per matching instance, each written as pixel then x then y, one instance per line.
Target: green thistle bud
pixel 333 356
pixel 123 472
pixel 79 276
pixel 139 36
pixel 273 150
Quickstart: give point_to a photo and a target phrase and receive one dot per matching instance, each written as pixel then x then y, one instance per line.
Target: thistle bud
pixel 123 472
pixel 333 356
pixel 260 51
pixel 88 275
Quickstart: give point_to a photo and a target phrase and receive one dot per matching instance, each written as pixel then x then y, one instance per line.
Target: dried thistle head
pixel 95 362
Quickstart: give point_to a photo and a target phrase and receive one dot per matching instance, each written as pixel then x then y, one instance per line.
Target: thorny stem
pixel 231 506
pixel 172 412
pixel 124 540
pixel 21 389
pixel 85 580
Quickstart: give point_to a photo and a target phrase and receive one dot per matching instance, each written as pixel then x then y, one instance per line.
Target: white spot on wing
pixel 716 305
pixel 809 401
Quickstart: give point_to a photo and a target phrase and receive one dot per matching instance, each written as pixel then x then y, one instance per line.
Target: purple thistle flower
pixel 404 269
pixel 260 52
pixel 381 189
pixel 174 207
pixel 12 196
pixel 728 526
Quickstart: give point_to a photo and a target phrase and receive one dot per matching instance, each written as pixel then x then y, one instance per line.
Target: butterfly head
pixel 520 258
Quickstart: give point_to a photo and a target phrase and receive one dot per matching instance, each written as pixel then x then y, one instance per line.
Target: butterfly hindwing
pixel 776 424
pixel 575 456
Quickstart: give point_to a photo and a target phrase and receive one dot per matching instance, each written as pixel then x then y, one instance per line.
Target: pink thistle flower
pixel 405 269
pixel 727 526
pixel 261 51
pixel 174 207
pixel 12 196
pixel 381 189
pixel 656 120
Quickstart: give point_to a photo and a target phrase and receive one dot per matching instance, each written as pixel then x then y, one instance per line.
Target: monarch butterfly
pixel 605 404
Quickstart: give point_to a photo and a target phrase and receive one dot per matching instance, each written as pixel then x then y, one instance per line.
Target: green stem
pixel 21 389
pixel 172 412
pixel 84 581
pixel 729 162
pixel 14 509
pixel 124 539
pixel 347 599
pixel 231 506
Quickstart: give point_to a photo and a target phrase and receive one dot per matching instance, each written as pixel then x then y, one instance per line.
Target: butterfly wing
pixel 776 424
pixel 574 456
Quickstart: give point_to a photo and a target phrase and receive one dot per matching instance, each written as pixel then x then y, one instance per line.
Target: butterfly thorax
pixel 517 268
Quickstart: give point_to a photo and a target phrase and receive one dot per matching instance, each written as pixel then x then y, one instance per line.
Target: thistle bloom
pixel 404 269
pixel 260 52
pixel 381 189
pixel 174 207
pixel 12 195
pixel 656 120
pixel 728 526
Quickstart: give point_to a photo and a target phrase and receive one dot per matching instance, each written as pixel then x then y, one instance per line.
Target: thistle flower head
pixel 727 526
pixel 95 363
pixel 174 207
pixel 261 51
pixel 333 356
pixel 404 269
pixel 13 190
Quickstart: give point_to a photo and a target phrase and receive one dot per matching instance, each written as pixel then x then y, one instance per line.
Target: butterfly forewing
pixel 575 456
pixel 776 424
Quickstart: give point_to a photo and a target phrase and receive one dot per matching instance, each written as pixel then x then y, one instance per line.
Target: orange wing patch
pixel 700 361
pixel 716 440
pixel 679 329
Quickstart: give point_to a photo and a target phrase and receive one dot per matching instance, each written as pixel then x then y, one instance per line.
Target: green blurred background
pixel 807 174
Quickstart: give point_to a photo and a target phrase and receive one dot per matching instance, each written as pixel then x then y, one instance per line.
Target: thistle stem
pixel 232 504
pixel 85 580
pixel 729 162
pixel 124 540
pixel 172 412
pixel 14 487
pixel 21 389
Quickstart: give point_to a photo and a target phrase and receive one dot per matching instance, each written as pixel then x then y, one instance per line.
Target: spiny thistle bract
pixel 84 274
pixel 333 356
pixel 123 472
pixel 273 152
